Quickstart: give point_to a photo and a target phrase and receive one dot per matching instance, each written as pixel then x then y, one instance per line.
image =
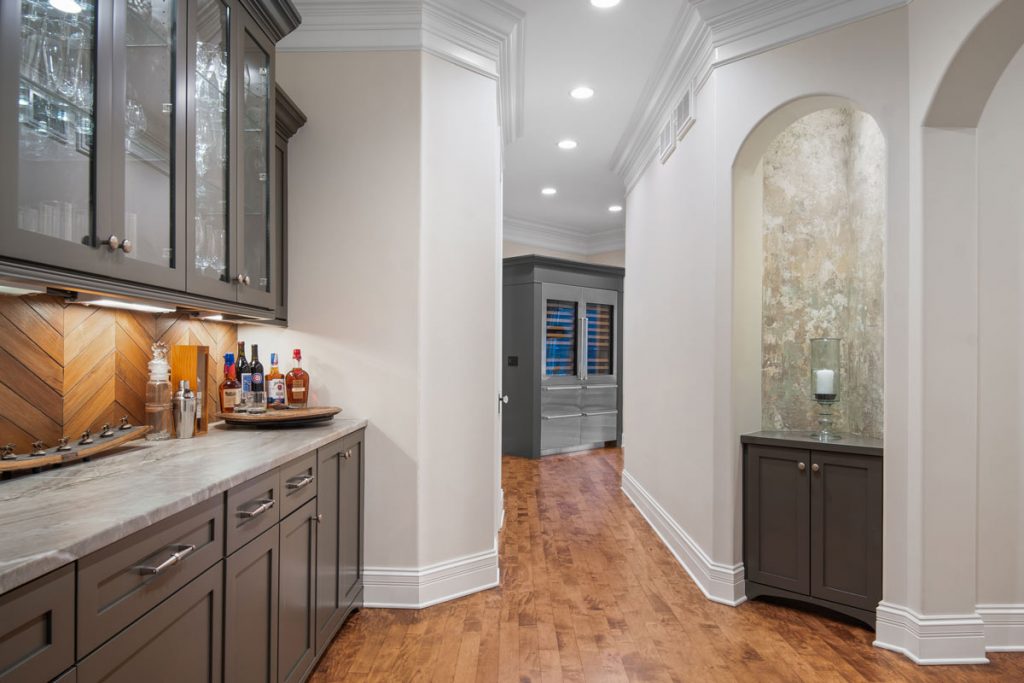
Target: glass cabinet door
pixel 600 341
pixel 210 211
pixel 50 160
pixel 147 66
pixel 255 223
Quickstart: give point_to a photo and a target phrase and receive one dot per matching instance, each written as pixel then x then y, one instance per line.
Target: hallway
pixel 589 593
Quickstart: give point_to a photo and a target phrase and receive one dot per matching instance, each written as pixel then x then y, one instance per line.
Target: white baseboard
pixel 719 582
pixel 931 639
pixel 1004 627
pixel 501 506
pixel 416 588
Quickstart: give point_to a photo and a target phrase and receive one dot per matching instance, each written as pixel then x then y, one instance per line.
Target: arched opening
pixel 809 221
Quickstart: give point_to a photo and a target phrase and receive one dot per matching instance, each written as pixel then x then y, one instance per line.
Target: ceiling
pixel 571 43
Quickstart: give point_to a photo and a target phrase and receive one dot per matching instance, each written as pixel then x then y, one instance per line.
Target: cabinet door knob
pixel 127 246
pixel 246 280
pixel 319 518
pixel 113 242
pixel 802 466
pixel 815 467
pixel 240 279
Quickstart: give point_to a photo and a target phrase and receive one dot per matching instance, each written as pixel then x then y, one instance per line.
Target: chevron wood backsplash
pixel 65 367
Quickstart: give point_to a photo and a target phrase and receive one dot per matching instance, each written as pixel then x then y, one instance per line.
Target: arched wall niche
pixel 749 257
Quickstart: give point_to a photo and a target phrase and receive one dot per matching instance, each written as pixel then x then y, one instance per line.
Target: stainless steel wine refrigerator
pixel 562 356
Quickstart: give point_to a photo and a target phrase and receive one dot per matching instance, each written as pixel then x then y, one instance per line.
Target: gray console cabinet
pixel 251 611
pixel 812 521
pixel 562 352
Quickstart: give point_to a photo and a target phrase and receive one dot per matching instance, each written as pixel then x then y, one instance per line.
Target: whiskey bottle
pixel 259 399
pixel 297 382
pixel 230 388
pixel 244 375
pixel 275 385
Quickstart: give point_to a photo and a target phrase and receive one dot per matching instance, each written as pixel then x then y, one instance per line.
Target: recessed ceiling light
pixel 548 191
pixel 604 4
pixel 615 208
pixel 69 6
pixel 567 144
pixel 582 93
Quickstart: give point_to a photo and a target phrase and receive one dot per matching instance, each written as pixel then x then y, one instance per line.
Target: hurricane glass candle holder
pixel 825 382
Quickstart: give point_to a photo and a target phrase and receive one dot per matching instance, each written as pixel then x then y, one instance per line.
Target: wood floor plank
pixel 590 594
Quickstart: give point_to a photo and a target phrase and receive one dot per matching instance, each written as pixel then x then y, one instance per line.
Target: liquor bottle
pixel 244 375
pixel 259 398
pixel 275 385
pixel 297 382
pixel 158 395
pixel 230 388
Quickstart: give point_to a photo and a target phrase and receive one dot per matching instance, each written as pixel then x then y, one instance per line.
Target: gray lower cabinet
pixel 812 522
pixel 340 537
pixel 250 611
pixel 179 640
pixel 297 596
pixel 37 628
pixel 248 586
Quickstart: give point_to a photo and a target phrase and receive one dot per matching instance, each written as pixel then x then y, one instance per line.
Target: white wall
pixel 459 275
pixel 684 433
pixel 393 267
pixel 1001 343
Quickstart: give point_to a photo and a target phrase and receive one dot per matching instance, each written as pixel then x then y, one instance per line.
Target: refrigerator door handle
pixel 580 352
pixel 586 349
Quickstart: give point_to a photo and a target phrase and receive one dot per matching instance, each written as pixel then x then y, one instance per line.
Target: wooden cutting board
pixel 281 417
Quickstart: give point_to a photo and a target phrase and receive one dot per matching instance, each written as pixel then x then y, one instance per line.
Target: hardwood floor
pixel 589 593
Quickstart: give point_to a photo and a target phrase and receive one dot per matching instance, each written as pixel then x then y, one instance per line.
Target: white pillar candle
pixel 824 382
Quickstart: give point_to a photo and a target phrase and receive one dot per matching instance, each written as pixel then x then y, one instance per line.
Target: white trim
pixel 562 237
pixel 1004 627
pixel 930 639
pixel 418 588
pixel 722 583
pixel 708 34
pixel 484 36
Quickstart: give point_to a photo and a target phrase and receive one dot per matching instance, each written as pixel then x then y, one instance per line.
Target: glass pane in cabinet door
pixel 149 129
pixel 211 125
pixel 56 115
pixel 560 338
pixel 600 339
pixel 256 172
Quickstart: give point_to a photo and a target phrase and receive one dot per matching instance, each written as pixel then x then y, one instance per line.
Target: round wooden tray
pixel 281 417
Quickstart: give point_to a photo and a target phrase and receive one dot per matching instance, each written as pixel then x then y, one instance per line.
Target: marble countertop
pixel 59 515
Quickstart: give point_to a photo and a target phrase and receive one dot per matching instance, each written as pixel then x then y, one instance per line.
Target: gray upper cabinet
pixel 142 138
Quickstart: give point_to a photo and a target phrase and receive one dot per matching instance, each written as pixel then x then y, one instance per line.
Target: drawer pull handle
pixel 560 417
pixel 258 510
pixel 601 412
pixel 179 554
pixel 299 482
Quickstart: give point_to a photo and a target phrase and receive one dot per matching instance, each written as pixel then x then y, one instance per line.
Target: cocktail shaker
pixel 184 408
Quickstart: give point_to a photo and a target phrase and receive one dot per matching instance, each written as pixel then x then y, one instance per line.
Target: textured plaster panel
pixel 824 223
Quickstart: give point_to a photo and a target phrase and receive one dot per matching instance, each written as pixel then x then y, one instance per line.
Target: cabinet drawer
pixel 37 629
pixel 253 507
pixel 599 427
pixel 560 401
pixel 559 432
pixel 298 483
pixel 120 583
pixel 601 398
pixel 180 640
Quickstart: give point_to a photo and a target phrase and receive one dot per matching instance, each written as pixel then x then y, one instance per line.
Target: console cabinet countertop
pixel 61 515
pixel 854 445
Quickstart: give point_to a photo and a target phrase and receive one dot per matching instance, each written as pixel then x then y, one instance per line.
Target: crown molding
pixel 708 34
pixel 562 237
pixel 742 28
pixel 484 36
pixel 685 61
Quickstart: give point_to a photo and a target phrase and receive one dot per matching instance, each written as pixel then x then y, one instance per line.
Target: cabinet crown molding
pixel 277 18
pixel 484 36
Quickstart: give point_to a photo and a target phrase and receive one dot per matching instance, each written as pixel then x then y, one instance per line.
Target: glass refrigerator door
pixel 561 334
pixel 600 340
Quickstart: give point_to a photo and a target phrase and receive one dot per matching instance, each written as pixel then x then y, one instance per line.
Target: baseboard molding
pixel 931 639
pixel 1004 627
pixel 416 588
pixel 719 582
